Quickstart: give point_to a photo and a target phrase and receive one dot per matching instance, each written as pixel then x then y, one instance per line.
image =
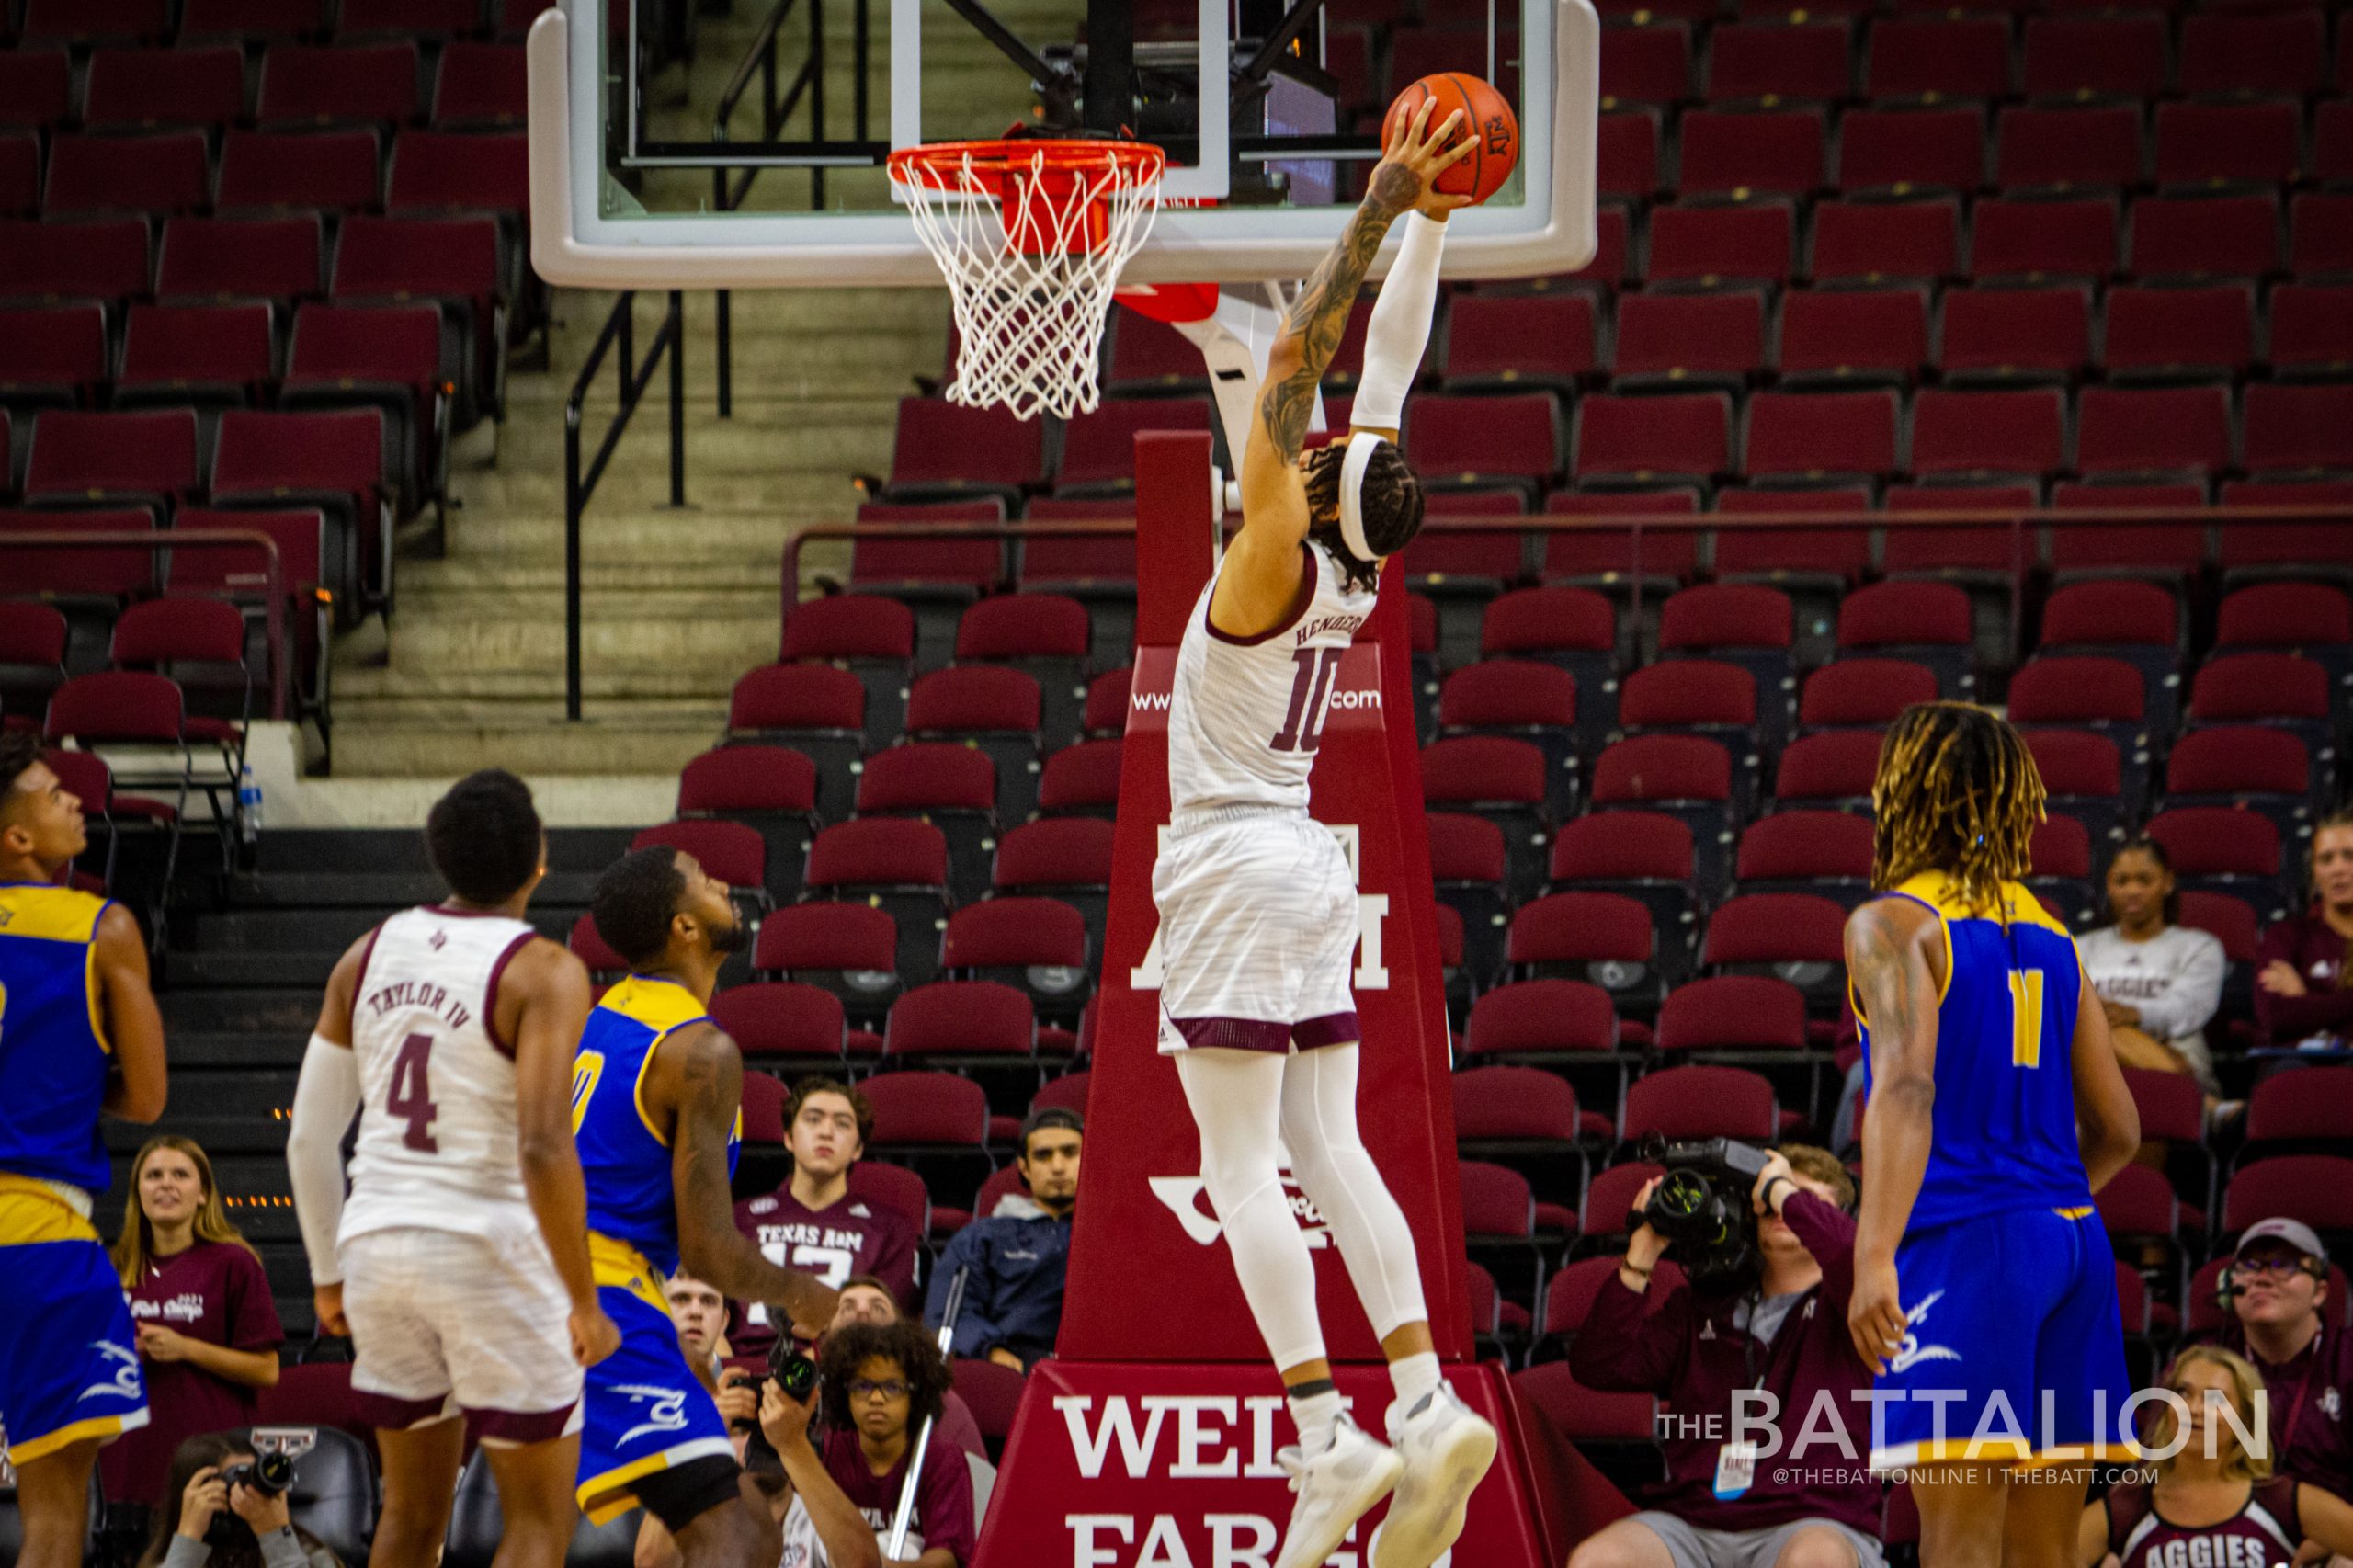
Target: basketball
pixel 1486 116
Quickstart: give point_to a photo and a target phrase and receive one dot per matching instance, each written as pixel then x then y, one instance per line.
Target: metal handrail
pixel 273 578
pixel 630 382
pixel 2018 520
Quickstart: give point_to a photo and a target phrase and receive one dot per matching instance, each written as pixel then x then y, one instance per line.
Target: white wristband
pixel 325 1100
pixel 1400 328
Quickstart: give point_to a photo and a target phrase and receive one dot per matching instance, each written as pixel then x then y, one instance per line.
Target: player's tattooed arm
pixel 703 1074
pixel 1895 985
pixel 1319 317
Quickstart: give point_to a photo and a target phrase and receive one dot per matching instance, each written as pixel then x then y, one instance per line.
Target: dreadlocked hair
pixel 1958 792
pixel 1392 507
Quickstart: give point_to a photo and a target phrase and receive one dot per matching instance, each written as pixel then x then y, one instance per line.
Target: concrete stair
pixel 678 602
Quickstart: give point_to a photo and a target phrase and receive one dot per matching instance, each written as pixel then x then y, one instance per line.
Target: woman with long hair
pixel 194 1495
pixel 208 1330
pixel 2214 1501
pixel 2300 994
pixel 2158 980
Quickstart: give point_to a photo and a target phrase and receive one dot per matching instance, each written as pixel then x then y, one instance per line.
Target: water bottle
pixel 248 806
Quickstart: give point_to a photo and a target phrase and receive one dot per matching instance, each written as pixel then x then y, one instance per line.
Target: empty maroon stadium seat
pixel 2076 148
pixel 319 85
pixel 1636 439
pixel 1627 845
pixel 1836 766
pixel 2034 240
pixel 1626 157
pixel 2311 330
pixel 2238 761
pixel 960 1019
pixel 809 937
pixel 53 355
pixel 1084 778
pixel 174 354
pixel 148 457
pixel 878 851
pixel 1702 1102
pixel 2173 332
pixel 222 258
pixel 2280 51
pixel 2315 1189
pixel 1767 61
pixel 1688 694
pixel 2070 57
pixel 2284 615
pixel 1646 64
pixel 2311 1104
pixel 110 572
pixel 268 170
pixel 1098 451
pixel 1701 339
pixel 450 172
pixel 1804 847
pixel 1929 58
pixel 251 21
pixel 95 21
pixel 1835 337
pixel 1734 1012
pixel 2288 429
pixel 454 262
pixel 1577 928
pixel 1980 550
pixel 2208 144
pixel 158 174
pixel 727 850
pixel 2216 841
pixel 1485 441
pixel 145 87
pixel 1541 1018
pixel 36 87
pixel 479 86
pixel 1863 692
pixel 2015 335
pixel 746 779
pixel 1777 929
pixel 921 777
pixel 1710 245
pixel 1740 155
pixel 1497 342
pixel 1817 436
pixel 2257 687
pixel 1872 242
pixel 781 1019
pixel 1798 556
pixel 1608 555
pixel 2227 236
pixel 919 1108
pixel 2153 430
pixel 944 449
pixel 1057 852
pixel 2286 548
pixel 1903 152
pixel 1015 933
pixel 2022 432
pixel 2077 691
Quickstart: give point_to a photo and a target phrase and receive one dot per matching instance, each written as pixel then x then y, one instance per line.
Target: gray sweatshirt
pixel 280 1549
pixel 2174 981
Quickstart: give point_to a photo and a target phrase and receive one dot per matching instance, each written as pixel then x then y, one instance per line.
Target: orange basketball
pixel 1486 116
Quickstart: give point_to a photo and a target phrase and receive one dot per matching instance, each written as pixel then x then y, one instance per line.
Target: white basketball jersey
pixel 437 1146
pixel 1245 714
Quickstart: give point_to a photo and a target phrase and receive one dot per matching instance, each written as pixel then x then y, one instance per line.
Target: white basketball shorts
pixel 1257 935
pixel 444 1323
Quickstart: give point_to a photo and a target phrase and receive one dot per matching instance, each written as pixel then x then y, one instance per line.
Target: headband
pixel 1352 467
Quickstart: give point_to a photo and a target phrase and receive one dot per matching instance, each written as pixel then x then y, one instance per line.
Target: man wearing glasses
pixel 2277 1288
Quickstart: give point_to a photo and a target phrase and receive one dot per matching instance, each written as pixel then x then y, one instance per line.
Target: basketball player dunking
pixel 1257 906
pixel 460 1264
pixel 1984 1289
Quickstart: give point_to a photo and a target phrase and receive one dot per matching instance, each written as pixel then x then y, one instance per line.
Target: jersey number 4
pixel 2026 1018
pixel 1310 692
pixel 410 1097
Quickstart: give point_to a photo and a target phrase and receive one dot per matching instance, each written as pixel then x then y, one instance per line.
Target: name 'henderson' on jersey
pixel 1245 714
pixel 2005 1111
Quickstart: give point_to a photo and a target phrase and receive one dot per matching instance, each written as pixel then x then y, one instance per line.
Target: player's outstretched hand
pixel 326 1301
pixel 1419 153
pixel 1875 1316
pixel 594 1336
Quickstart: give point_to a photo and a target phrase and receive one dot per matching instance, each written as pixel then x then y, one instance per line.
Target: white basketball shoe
pixel 1335 1489
pixel 1445 1451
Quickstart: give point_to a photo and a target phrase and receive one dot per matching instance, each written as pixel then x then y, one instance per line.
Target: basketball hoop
pixel 1032 235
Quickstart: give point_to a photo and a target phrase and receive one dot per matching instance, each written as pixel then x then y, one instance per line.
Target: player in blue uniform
pixel 1985 1290
pixel 656 1111
pixel 79 1037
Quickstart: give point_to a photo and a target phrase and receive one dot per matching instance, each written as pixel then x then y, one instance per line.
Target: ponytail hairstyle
pixel 2145 845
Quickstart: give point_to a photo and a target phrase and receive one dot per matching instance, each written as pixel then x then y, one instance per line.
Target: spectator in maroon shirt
pixel 2301 982
pixel 813 1223
pixel 2277 1285
pixel 1782 1331
pixel 208 1330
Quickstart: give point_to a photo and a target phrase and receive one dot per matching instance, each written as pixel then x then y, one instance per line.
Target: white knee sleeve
pixel 1319 1123
pixel 1235 1098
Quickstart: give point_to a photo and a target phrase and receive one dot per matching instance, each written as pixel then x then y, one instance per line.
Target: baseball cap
pixel 2295 1232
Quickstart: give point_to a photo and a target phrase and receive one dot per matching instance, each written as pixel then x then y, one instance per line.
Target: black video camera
pixel 1701 1207
pixel 269 1475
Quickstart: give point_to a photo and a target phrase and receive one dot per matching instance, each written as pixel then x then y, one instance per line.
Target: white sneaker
pixel 1446 1449
pixel 1335 1489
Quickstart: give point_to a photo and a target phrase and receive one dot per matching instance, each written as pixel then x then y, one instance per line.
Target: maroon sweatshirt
pixel 1689 1352
pixel 2306 944
pixel 2308 1398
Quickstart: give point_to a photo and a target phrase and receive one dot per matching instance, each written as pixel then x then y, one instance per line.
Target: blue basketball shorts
pixel 69 1361
pixel 2015 1353
pixel 645 1410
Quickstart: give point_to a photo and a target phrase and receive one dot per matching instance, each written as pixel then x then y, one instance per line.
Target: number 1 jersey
pixel 437 1147
pixel 1245 714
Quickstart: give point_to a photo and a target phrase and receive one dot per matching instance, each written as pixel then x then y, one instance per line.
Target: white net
pixel 1033 249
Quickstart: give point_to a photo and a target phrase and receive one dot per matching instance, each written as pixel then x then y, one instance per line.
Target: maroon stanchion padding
pixel 1150 1440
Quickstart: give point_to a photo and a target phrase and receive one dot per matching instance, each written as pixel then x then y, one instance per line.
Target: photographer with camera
pixel 223 1506
pixel 1766 1242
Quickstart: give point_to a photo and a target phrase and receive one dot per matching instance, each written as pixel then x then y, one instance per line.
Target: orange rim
pixel 940 164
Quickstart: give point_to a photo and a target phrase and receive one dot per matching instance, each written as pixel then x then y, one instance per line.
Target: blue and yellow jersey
pixel 53 1051
pixel 2005 1111
pixel 624 1158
